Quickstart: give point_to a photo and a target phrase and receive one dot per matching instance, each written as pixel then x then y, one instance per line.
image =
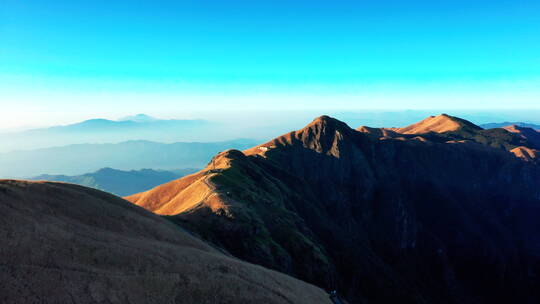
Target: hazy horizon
pixel 254 118
pixel 66 61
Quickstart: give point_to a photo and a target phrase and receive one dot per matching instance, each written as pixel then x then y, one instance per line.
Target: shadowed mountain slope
pixel 409 219
pixel 531 135
pixel 63 243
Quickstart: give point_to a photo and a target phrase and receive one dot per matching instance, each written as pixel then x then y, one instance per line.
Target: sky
pixel 64 61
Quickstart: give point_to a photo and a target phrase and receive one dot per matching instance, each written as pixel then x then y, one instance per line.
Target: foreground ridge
pixel 64 243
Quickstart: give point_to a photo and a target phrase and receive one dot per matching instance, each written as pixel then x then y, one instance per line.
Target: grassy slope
pixel 66 243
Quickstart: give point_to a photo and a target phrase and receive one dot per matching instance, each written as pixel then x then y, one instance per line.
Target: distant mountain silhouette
pixel 506 124
pixel 139 118
pixel 63 243
pixel 445 213
pixel 131 155
pixel 138 127
pixel 119 182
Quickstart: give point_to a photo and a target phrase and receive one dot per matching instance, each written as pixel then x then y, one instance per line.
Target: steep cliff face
pixel 402 218
pixel 63 243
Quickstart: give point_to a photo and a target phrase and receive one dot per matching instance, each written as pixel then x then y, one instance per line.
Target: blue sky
pixel 66 60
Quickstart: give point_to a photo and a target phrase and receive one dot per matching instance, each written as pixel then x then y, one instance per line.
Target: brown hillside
pixel 63 243
pixel 438 124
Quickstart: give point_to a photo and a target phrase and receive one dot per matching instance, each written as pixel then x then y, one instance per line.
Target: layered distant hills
pixel 506 124
pixel 131 155
pixel 94 131
pixel 119 182
pixel 442 211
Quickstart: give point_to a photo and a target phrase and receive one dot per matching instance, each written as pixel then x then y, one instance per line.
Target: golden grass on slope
pixel 439 124
pixel 185 193
pixel 165 199
pixel 525 153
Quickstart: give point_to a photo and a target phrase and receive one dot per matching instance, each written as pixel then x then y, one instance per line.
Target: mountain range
pixel 131 155
pixel 442 211
pixel 119 182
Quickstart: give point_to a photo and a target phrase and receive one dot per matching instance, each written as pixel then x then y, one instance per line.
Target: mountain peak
pixel 327 120
pixel 323 118
pixel 325 125
pixel 106 170
pixel 138 118
pixel 322 135
pixel 223 159
pixel 439 124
